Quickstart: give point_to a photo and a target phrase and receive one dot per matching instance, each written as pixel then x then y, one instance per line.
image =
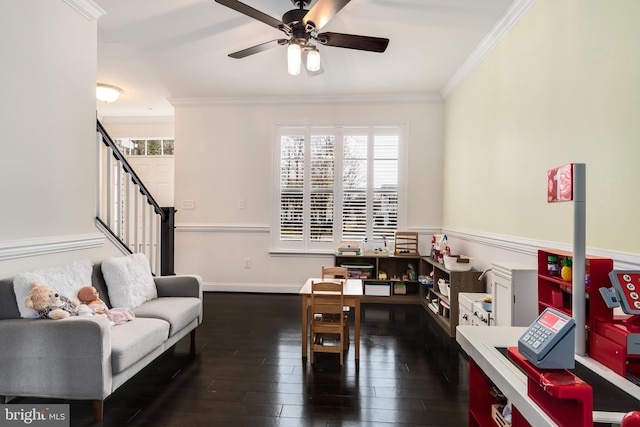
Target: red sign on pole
pixel 560 184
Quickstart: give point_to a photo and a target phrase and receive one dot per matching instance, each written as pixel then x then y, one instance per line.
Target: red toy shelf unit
pixel 555 292
pixel 481 400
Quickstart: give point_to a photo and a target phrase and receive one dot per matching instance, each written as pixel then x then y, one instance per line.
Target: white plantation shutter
pixel 321 190
pixel 385 186
pixel 292 188
pixel 336 184
pixel 354 187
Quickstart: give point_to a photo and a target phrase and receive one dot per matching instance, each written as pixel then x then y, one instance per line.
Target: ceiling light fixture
pixel 313 60
pixel 294 57
pixel 107 93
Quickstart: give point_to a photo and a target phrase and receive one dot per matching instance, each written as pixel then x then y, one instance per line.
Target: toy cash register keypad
pixel 631 288
pixel 536 335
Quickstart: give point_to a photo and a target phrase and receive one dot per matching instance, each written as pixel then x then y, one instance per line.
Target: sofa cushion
pixel 134 340
pixel 129 280
pixel 65 280
pixel 178 311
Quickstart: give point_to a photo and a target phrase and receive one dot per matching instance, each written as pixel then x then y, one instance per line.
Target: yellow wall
pixel 563 86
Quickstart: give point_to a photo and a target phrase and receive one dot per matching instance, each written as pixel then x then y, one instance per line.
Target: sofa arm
pixel 179 286
pixel 68 358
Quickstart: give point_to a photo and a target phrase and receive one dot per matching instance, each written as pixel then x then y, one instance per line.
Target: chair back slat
pixel 336 272
pixel 327 304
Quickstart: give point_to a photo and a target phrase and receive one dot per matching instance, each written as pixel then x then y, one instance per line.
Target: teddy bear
pixel 89 295
pixel 49 304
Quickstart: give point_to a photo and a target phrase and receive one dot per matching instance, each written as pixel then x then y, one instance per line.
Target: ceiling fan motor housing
pixel 300 3
pixel 294 20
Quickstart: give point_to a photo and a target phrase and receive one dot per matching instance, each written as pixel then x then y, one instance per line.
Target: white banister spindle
pixel 158 245
pixel 109 184
pixel 117 222
pixel 144 227
pixel 136 216
pixel 126 238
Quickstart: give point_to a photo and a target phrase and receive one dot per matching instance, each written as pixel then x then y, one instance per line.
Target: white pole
pixel 579 255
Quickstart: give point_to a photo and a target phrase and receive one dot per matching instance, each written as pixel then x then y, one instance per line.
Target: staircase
pixel 127 212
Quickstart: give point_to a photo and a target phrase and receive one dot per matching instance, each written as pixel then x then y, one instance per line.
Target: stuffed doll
pixel 89 295
pixel 49 304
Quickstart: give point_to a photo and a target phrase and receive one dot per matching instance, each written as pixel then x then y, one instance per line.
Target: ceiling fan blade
pixel 323 11
pixel 258 48
pixel 252 13
pixel 352 41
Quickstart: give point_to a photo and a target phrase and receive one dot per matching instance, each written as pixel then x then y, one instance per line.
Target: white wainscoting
pixel 511 245
pixel 49 245
pixel 485 248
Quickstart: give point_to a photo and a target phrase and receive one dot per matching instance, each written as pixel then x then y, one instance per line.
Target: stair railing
pixel 127 212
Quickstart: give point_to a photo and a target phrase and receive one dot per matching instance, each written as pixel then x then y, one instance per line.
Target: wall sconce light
pixel 107 93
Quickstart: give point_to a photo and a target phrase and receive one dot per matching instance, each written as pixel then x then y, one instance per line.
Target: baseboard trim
pixel 49 245
pixel 273 288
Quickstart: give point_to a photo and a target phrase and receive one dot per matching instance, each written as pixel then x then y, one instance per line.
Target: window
pixel 145 147
pixel 336 184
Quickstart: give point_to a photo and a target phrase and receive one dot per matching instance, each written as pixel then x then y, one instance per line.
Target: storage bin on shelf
pixel 377 288
pixel 444 287
pixel 457 263
pixel 359 271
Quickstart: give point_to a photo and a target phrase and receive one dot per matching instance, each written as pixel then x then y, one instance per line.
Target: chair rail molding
pixel 621 260
pixel 49 245
pixel 223 228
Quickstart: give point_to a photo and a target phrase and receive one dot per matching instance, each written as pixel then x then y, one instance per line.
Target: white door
pixel 157 174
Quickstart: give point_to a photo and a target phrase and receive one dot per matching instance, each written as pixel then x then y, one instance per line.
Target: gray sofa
pixel 86 357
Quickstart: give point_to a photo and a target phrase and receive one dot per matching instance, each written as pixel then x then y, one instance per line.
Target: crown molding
pixel 86 8
pixel 49 245
pixel 513 14
pixel 138 120
pixel 430 98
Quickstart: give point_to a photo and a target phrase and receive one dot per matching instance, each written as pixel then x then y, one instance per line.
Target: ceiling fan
pixel 302 27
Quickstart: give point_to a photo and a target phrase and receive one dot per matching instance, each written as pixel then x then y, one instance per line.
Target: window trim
pixel 401 130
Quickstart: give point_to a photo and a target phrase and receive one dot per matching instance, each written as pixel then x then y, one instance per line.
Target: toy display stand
pixel 560 394
pixel 406 243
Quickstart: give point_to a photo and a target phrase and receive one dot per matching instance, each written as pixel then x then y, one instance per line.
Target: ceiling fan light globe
pixel 294 59
pixel 313 61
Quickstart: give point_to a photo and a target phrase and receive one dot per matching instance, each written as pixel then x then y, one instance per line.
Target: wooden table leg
pixel 357 332
pixel 305 333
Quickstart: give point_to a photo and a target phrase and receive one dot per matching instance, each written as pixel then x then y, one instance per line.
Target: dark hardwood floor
pixel 248 371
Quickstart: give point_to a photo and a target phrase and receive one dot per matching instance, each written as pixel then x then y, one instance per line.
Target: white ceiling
pixel 161 49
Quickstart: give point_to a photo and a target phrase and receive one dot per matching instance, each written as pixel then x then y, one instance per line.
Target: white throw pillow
pixel 66 280
pixel 129 280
